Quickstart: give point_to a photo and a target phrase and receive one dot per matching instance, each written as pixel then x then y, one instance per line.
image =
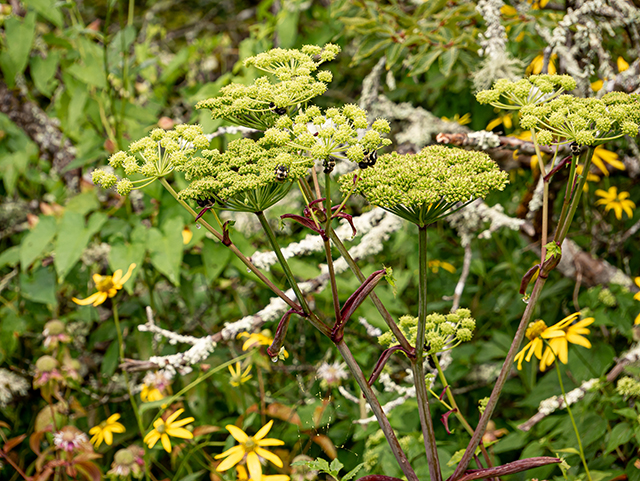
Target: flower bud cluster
pixel 564 118
pixel 160 152
pixel 423 187
pixel 246 177
pixel 260 104
pixel 442 332
pixel 338 134
pixel 628 387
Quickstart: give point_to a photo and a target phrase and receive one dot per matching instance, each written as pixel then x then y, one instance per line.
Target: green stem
pixel 563 228
pixel 132 399
pixel 573 421
pixel 401 457
pixel 376 301
pixel 418 364
pixel 327 250
pixel 231 247
pixel 318 324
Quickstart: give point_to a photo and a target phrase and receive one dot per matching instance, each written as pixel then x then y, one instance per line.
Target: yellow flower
pixel 536 332
pixel 637 321
pixel 104 430
pixel 150 394
pixel 636 296
pixel 435 264
pixel 502 119
pixel 462 120
pixel 187 235
pixel 241 474
pixel 590 178
pixel 252 448
pixel 559 346
pixel 508 11
pixel 255 339
pixel 615 201
pixel 108 286
pixel 237 376
pixel 602 156
pixel 535 67
pixel 622 64
pixel 163 429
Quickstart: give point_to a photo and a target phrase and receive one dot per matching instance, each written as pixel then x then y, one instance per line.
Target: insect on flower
pixel 281 173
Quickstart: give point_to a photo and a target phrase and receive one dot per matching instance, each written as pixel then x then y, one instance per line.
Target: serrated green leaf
pixel 353 472
pixel 336 466
pixel 425 61
pixel 447 60
pixel 37 240
pixel 166 248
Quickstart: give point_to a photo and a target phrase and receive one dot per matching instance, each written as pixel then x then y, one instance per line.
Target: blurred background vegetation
pixel 81 80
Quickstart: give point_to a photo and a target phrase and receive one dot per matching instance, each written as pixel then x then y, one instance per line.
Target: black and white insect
pixel 207 203
pixel 282 171
pixel 575 148
pixel 277 110
pixel 329 164
pixel 369 159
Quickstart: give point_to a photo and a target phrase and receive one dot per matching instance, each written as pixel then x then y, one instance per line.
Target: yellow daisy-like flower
pixel 502 119
pixel 535 67
pixel 536 333
pixel 559 346
pixel 150 394
pixel 254 340
pixel 241 474
pixel 457 118
pixel 108 286
pixel 163 429
pixel 104 431
pixel 435 264
pixel 237 376
pixel 252 448
pixel 618 202
pixel 603 156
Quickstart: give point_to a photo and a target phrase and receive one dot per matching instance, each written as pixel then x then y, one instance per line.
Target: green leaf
pixel 447 60
pixel 620 434
pixel 394 53
pixel 10 257
pixel 352 473
pixel 35 242
pixel 336 466
pixel 11 166
pixel 48 9
pixel 287 27
pixel 122 255
pixel 110 360
pixel 568 450
pixel 425 61
pixel 627 413
pixel 72 239
pixel 83 203
pixel 40 286
pixel 215 258
pixel 19 35
pixel 166 249
pixel 43 71
pixel 91 70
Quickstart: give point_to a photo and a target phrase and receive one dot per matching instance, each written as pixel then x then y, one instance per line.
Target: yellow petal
pixel 268 455
pixel 126 276
pixel 97 439
pixel 108 437
pixel 152 438
pixel 117 275
pixel 95 430
pixel 494 123
pixel 180 433
pixel 174 416
pixel 187 235
pixel 597 85
pixel 270 442
pixel 89 300
pixel 181 422
pixel 113 418
pixel 263 431
pixel 234 456
pixel 117 428
pixel 578 340
pixel 166 443
pixel 622 65
pixel 237 433
pixel 254 466
pixel 637 321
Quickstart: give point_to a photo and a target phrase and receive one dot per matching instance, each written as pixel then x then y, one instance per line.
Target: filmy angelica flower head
pixel 260 104
pixel 533 90
pixel 245 178
pixel 152 157
pixel 424 187
pixel 338 134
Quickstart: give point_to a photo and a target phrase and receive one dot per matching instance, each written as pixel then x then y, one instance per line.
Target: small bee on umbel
pixel 207 203
pixel 575 148
pixel 369 159
pixel 281 173
pixel 277 110
pixel 329 164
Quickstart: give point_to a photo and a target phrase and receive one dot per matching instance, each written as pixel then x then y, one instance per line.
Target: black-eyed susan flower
pixel 105 430
pixel 537 332
pixel 238 376
pixel 459 119
pixel 602 156
pixel 171 427
pixel 107 286
pixel 619 202
pixel 558 347
pixel 251 447
pixel 154 386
